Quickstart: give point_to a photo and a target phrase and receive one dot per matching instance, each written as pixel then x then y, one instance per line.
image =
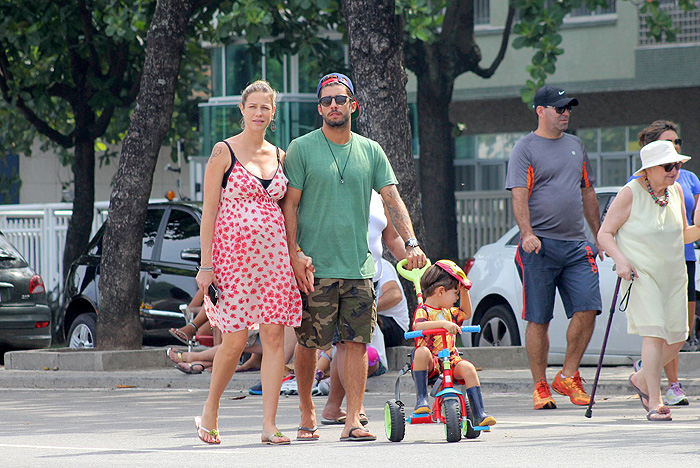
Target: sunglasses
pixel 339 99
pixel 560 110
pixel 677 141
pixel 670 167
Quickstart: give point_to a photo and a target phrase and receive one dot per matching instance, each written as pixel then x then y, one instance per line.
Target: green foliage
pixel 422 18
pixel 540 21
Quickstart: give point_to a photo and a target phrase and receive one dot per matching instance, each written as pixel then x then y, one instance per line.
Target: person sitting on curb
pixel 443 284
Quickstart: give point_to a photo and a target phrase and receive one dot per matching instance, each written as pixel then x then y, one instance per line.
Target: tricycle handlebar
pixel 435 331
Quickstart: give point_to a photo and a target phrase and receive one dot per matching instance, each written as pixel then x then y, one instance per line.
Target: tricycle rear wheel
pixel 394 421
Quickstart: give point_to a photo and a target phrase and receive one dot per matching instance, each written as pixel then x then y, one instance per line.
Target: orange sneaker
pixel 571 387
pixel 542 396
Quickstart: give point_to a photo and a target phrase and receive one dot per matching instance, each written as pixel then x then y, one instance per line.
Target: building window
pixel 587 11
pixel 482 12
pixel 686 24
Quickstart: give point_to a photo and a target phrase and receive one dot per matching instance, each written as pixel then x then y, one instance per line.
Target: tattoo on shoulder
pixel 216 152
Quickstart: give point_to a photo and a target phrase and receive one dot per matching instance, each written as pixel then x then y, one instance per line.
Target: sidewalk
pixel 156 372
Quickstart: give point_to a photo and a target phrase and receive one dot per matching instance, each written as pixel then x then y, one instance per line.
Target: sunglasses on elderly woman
pixel 339 99
pixel 670 167
pixel 677 142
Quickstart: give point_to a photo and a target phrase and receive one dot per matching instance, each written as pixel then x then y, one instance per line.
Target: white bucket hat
pixel 658 153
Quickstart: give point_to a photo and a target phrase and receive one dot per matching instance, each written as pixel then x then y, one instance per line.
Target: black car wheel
pixel 83 331
pixel 498 328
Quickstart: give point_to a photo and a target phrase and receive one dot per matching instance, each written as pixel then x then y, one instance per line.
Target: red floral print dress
pixel 250 256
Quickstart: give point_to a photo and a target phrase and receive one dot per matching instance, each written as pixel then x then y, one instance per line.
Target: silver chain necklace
pixel 342 180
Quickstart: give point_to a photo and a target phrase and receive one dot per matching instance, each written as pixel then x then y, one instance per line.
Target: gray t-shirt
pixel 554 171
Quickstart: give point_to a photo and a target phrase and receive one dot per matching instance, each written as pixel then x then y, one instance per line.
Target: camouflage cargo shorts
pixel 345 304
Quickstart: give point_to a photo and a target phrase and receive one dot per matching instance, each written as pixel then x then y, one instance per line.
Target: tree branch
pixel 488 72
pixel 42 127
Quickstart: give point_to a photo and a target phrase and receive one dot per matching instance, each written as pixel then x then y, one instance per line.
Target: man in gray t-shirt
pixel 548 176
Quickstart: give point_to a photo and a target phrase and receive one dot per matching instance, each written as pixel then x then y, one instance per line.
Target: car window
pixel 9 256
pixel 150 232
pixel 181 232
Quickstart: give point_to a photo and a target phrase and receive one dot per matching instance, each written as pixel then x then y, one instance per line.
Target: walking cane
pixel 589 410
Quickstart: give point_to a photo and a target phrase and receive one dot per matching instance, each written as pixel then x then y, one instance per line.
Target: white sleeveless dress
pixel 652 240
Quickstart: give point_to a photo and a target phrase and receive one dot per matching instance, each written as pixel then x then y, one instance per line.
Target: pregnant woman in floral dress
pixel 245 255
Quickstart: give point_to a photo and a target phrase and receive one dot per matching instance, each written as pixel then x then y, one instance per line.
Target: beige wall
pixel 42 176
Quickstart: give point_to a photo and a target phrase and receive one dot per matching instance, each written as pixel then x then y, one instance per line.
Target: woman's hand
pixel 625 270
pixel 204 279
pixel 304 270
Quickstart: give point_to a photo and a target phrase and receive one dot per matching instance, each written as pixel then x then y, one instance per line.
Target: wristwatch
pixel 411 243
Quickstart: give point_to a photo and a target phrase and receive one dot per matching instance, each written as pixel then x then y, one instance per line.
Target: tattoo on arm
pixel 398 213
pixel 216 152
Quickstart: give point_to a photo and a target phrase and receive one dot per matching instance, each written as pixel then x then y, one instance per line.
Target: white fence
pixel 482 218
pixel 38 231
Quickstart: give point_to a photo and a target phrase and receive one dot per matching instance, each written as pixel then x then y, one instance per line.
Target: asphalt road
pixel 142 428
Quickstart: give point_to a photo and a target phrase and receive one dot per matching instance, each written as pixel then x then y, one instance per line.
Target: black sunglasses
pixel 677 142
pixel 339 99
pixel 670 167
pixel 560 110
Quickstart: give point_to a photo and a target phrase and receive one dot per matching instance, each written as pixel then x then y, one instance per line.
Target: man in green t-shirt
pixel 332 173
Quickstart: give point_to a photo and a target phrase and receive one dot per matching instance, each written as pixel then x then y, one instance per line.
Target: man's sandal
pixel 313 434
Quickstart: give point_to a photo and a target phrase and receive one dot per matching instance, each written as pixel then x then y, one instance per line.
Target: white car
pixel 497 298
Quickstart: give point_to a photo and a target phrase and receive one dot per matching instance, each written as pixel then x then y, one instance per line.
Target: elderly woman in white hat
pixel 644 232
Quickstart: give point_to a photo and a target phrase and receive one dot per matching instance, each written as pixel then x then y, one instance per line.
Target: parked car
pixel 497 297
pixel 170 255
pixel 25 317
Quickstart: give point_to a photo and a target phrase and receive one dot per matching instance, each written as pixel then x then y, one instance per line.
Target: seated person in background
pixel 198 325
pixel 196 362
pixel 443 284
pixel 392 308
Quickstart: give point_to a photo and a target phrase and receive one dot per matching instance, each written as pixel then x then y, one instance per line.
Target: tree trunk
pixel 437 166
pixel 376 56
pixel 119 326
pixel 80 224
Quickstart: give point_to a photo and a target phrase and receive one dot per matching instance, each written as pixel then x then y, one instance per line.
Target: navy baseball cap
pixel 553 97
pixel 340 79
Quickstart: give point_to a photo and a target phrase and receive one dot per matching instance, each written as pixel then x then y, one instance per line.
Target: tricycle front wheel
pixel 453 419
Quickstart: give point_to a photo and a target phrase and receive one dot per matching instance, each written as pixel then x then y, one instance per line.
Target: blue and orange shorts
pixel 567 266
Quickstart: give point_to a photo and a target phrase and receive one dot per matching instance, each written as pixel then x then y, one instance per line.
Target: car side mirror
pixel 191 255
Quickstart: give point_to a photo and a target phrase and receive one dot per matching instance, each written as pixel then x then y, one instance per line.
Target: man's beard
pixel 336 123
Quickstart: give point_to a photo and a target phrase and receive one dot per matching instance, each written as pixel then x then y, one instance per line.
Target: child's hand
pixel 452 328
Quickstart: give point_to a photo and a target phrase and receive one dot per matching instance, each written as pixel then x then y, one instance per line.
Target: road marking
pixel 115 449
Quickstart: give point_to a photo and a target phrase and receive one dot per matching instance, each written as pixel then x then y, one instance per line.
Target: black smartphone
pixel 213 293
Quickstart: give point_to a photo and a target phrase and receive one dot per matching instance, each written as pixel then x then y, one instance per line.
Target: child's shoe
pixel 421 380
pixel 477 404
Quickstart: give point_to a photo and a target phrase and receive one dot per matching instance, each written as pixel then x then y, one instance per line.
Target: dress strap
pixel 278 154
pixel 228 171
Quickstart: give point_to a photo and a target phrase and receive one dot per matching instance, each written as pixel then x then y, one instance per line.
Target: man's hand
pixel 415 258
pixel 303 272
pixel 530 242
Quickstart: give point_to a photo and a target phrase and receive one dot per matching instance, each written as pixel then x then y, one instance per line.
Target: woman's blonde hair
pixel 259 86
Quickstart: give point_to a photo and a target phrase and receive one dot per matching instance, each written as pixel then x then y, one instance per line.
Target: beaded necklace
pixel 661 202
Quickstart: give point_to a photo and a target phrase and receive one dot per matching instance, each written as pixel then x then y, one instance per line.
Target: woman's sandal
pixel 642 396
pixel 188 368
pixel 663 413
pixel 178 355
pixel 213 432
pixel 181 336
pixel 276 439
